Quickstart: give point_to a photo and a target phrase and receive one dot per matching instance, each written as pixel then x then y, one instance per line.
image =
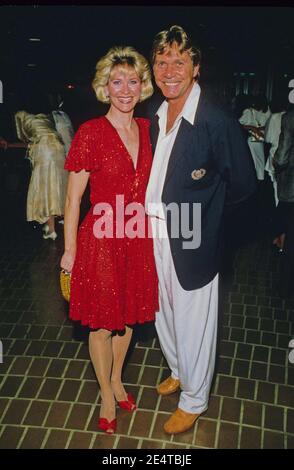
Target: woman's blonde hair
pixel 124 56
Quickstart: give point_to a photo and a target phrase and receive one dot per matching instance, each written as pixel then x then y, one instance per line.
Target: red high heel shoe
pixel 129 404
pixel 107 426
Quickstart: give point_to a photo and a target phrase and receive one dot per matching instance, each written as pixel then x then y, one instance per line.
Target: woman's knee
pixel 100 335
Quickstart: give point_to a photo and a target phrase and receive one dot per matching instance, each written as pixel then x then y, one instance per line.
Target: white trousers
pixel 186 325
pixel 257 152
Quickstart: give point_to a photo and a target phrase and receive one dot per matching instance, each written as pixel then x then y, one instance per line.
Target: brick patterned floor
pixel 49 397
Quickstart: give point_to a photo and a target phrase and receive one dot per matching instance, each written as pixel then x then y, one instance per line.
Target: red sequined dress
pixel 113 281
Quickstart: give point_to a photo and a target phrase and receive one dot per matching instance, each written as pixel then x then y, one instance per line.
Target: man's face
pixel 174 73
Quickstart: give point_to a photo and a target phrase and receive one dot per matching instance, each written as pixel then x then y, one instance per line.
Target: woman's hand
pixel 3 143
pixel 67 261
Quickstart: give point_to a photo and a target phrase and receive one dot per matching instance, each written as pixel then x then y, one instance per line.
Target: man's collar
pixel 188 111
pixel 162 109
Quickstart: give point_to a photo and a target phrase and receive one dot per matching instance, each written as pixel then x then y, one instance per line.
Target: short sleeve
pixel 247 119
pixel 23 130
pixel 84 150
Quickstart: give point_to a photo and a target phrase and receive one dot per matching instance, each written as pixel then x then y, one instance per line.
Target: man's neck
pixel 177 105
pixel 174 109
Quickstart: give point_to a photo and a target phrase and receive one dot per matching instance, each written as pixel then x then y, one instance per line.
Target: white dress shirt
pixel 165 142
pixel 271 135
pixel 251 117
pixel 64 127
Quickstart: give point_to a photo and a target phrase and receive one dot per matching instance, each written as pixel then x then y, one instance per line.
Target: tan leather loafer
pixel 180 421
pixel 168 386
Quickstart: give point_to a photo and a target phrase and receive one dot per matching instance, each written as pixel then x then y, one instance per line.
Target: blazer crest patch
pixel 198 174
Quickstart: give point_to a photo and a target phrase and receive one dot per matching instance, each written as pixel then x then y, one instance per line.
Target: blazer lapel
pixel 154 131
pixel 183 137
pixel 179 148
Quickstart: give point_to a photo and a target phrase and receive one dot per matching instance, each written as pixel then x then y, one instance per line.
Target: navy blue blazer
pixel 215 143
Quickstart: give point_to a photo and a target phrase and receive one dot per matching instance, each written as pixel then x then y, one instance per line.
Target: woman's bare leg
pixel 51 223
pixel 120 346
pixel 282 240
pixel 100 349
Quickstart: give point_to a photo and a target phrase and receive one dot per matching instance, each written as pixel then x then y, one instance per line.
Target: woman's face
pixel 124 88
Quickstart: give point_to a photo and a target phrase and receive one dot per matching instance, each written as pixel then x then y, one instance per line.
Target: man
pixel 283 163
pixel 62 121
pixel 200 157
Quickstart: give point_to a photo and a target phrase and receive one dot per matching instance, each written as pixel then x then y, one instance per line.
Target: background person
pixel 47 188
pixel 283 163
pixel 62 121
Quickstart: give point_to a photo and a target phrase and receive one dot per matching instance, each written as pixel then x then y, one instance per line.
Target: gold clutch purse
pixel 65 284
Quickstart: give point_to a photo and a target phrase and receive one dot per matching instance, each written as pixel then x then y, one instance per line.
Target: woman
pixel 113 281
pixel 47 189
